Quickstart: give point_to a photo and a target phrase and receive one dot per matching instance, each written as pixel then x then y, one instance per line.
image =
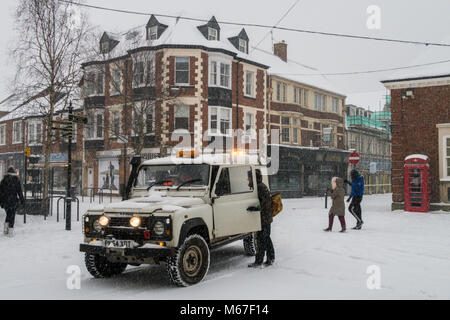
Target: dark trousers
pixel 10 216
pixel 331 220
pixel 264 245
pixel 355 207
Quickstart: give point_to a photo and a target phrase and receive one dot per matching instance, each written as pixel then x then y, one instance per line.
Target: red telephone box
pixel 417 186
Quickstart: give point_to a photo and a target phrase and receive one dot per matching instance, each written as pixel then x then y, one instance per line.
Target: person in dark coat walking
pixel 11 195
pixel 356 196
pixel 337 194
pixel 264 242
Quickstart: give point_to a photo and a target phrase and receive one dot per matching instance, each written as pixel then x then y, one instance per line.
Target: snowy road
pixel 412 252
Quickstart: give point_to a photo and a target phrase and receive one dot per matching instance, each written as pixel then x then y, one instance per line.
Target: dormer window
pixel 104 47
pixel 213 34
pixel 152 33
pixel 243 45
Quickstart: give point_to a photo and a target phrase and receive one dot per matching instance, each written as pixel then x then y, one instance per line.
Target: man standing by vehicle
pixel 264 242
pixel 10 194
pixel 356 196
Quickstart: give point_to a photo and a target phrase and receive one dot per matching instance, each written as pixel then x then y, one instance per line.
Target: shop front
pixel 307 171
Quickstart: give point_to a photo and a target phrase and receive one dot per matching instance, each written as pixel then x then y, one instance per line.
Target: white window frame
pixel 142 74
pixel 335 105
pixel 2 135
pixel 243 45
pixel 216 76
pixel 17 141
pixel 213 34
pixel 219 122
pixel 152 33
pixel 320 102
pixel 185 106
pixel 252 84
pixel 113 86
pixel 34 124
pixel 188 72
pixel 112 121
pixel 284 92
pixel 147 133
pixel 95 127
pixel 445 156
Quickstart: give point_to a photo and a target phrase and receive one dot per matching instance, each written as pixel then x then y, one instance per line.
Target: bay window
pixel 219 120
pixel 181 70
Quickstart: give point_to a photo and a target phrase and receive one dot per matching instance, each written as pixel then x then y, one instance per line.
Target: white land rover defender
pixel 178 210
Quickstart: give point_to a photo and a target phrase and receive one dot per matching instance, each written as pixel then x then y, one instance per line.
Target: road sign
pixel 78 119
pixel 354 158
pixel 27 151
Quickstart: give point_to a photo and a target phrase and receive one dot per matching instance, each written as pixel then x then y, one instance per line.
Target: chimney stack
pixel 280 50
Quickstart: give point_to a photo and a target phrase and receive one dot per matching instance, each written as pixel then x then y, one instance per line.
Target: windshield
pixel 173 175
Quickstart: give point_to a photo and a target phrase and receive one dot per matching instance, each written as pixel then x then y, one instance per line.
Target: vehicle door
pixel 232 199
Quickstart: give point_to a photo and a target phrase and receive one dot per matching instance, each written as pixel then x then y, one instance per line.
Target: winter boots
pixel 5 228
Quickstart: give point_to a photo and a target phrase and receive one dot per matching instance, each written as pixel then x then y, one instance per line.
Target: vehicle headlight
pixel 158 228
pixel 97 227
pixel 103 221
pixel 135 222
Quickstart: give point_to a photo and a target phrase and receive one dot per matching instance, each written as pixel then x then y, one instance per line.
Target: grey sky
pixel 403 19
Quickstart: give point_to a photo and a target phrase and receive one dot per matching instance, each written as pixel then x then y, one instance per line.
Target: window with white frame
pixel 152 33
pixel 248 122
pixel 305 98
pixel 181 117
pixel 139 73
pixel 2 134
pixel 297 95
pixel 286 129
pixel 116 81
pixel 225 75
pixel 17 132
pixel 35 132
pixel 90 83
pixel 213 73
pixel 94 127
pixel 243 45
pixel 182 70
pixel 249 91
pixel 278 91
pixel 146 116
pixel 219 120
pixel 115 123
pixel 284 97
pixel 335 106
pixel 213 34
pixel 320 102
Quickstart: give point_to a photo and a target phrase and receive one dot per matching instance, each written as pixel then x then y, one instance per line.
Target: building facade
pixel 308 114
pixel 420 125
pixel 369 134
pixel 184 85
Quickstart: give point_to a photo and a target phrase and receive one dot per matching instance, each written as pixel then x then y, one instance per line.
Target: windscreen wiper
pixel 188 182
pixel 157 182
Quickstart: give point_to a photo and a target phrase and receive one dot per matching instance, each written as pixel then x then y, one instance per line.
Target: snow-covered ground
pixel 411 251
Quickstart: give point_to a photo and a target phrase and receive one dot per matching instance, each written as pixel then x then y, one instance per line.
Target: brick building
pixel 369 134
pixel 421 125
pixel 25 126
pixel 308 112
pixel 198 78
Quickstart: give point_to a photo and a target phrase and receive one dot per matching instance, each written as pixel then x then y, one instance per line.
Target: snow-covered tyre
pixel 250 245
pixel 99 267
pixel 190 264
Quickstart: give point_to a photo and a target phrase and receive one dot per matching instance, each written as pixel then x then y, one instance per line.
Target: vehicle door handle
pixel 253 209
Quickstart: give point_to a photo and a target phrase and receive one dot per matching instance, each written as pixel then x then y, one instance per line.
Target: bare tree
pixel 49 51
pixel 135 83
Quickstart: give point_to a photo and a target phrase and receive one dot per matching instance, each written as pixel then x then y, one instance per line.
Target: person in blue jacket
pixel 356 196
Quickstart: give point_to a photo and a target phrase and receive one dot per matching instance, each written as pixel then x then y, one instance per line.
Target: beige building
pixel 444 161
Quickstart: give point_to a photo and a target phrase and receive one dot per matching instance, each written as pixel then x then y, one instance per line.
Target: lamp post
pixel 69 175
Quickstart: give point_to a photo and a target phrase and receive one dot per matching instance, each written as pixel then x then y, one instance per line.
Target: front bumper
pixel 129 252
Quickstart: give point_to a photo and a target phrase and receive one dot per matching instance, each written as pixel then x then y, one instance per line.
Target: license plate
pixel 119 243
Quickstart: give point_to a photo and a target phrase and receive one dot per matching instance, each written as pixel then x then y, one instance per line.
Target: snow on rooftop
pixel 186 32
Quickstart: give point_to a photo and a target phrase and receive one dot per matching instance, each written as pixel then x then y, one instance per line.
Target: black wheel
pixel 250 245
pixel 99 267
pixel 190 263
